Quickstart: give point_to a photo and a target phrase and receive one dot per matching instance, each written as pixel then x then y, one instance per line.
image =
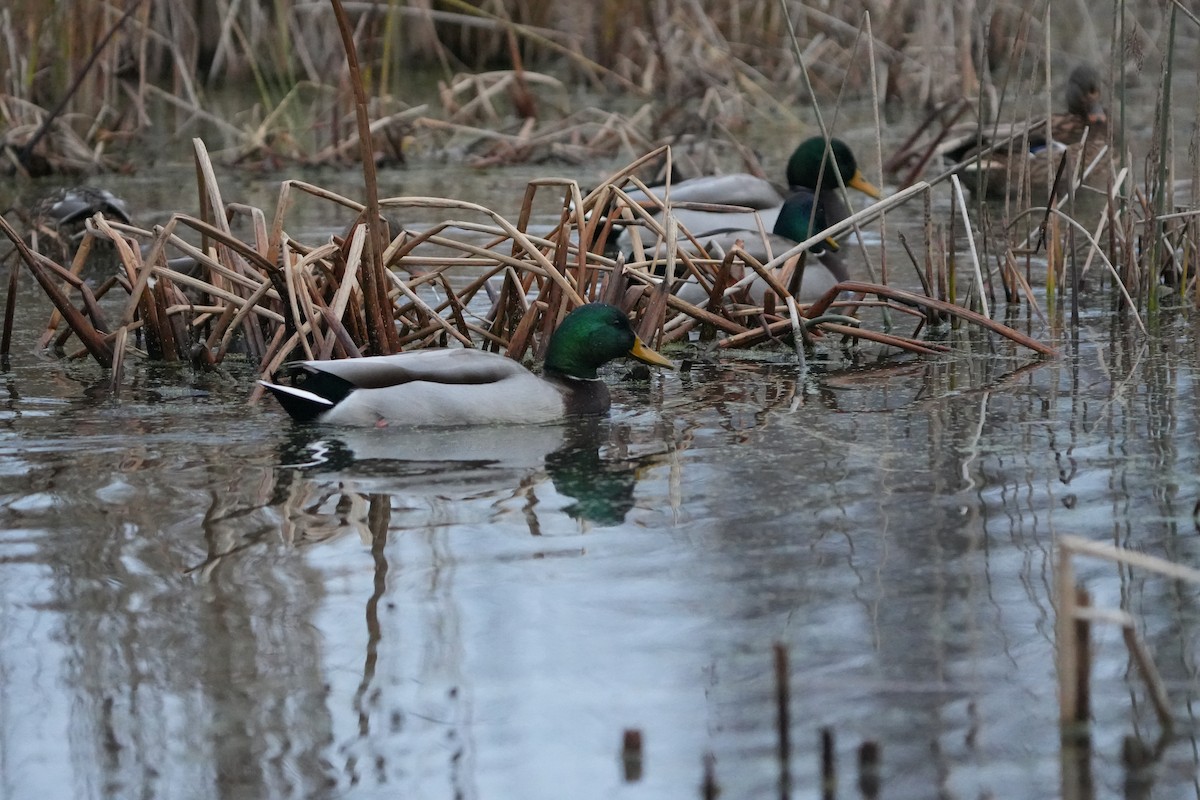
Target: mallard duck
pixel 813 205
pixel 70 207
pixel 797 220
pixel 1079 135
pixel 63 215
pixel 1085 107
pixel 469 387
pixel 804 171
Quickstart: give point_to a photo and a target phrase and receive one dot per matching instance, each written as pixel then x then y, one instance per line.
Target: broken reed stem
pixel 783 718
pixel 631 755
pixel 10 305
pixel 919 301
pixel 828 765
pixel 890 339
pixel 709 788
pixel 1067 650
pixel 118 364
pixel 1120 555
pixel 87 334
pixel 1073 674
pixel 1145 664
pixel 869 770
pixel 962 207
pixel 1083 662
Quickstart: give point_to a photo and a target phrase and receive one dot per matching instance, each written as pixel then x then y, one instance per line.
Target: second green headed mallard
pixel 458 386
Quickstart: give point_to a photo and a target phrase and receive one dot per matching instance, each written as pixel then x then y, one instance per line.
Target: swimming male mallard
pixel 999 172
pixel 804 171
pixel 469 387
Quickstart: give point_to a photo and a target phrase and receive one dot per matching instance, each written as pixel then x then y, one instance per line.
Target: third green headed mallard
pixel 797 220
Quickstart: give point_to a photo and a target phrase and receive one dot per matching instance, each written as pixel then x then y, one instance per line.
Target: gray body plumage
pixel 436 387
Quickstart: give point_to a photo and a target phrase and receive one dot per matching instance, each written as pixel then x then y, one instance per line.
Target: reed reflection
pixel 172 681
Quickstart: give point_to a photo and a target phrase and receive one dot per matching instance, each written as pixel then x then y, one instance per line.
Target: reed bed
pixel 474 280
pixel 693 71
pixel 1124 220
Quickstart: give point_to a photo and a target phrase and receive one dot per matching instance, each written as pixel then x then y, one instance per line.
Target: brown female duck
pixel 1077 147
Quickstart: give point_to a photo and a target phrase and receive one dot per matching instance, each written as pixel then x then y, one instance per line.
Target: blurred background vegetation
pixel 269 76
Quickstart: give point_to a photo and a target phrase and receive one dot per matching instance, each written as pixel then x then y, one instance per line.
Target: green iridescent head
pixel 591 336
pixel 804 167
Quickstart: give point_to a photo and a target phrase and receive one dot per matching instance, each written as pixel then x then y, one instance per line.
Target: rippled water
pixel 201 600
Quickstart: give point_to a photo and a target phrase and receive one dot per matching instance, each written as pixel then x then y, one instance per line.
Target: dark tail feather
pixel 301 405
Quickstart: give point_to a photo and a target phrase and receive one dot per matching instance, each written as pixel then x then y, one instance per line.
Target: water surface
pixel 202 600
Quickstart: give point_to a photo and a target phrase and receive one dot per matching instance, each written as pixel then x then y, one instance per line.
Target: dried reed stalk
pixel 1070 661
pixel 381 327
pixel 84 329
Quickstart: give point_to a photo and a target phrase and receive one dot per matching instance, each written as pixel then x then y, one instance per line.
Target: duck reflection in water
pixel 602 487
pixel 474 462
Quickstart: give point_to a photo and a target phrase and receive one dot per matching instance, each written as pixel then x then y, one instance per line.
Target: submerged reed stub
pixel 631 755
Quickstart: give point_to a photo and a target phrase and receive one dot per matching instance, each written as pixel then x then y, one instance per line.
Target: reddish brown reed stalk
pixel 519 341
pixel 381 323
pixel 10 305
pixel 632 754
pixel 911 345
pixel 710 789
pixel 829 780
pixel 869 780
pixel 920 301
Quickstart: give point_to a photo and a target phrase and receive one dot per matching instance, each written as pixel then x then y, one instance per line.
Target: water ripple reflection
pixel 200 600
